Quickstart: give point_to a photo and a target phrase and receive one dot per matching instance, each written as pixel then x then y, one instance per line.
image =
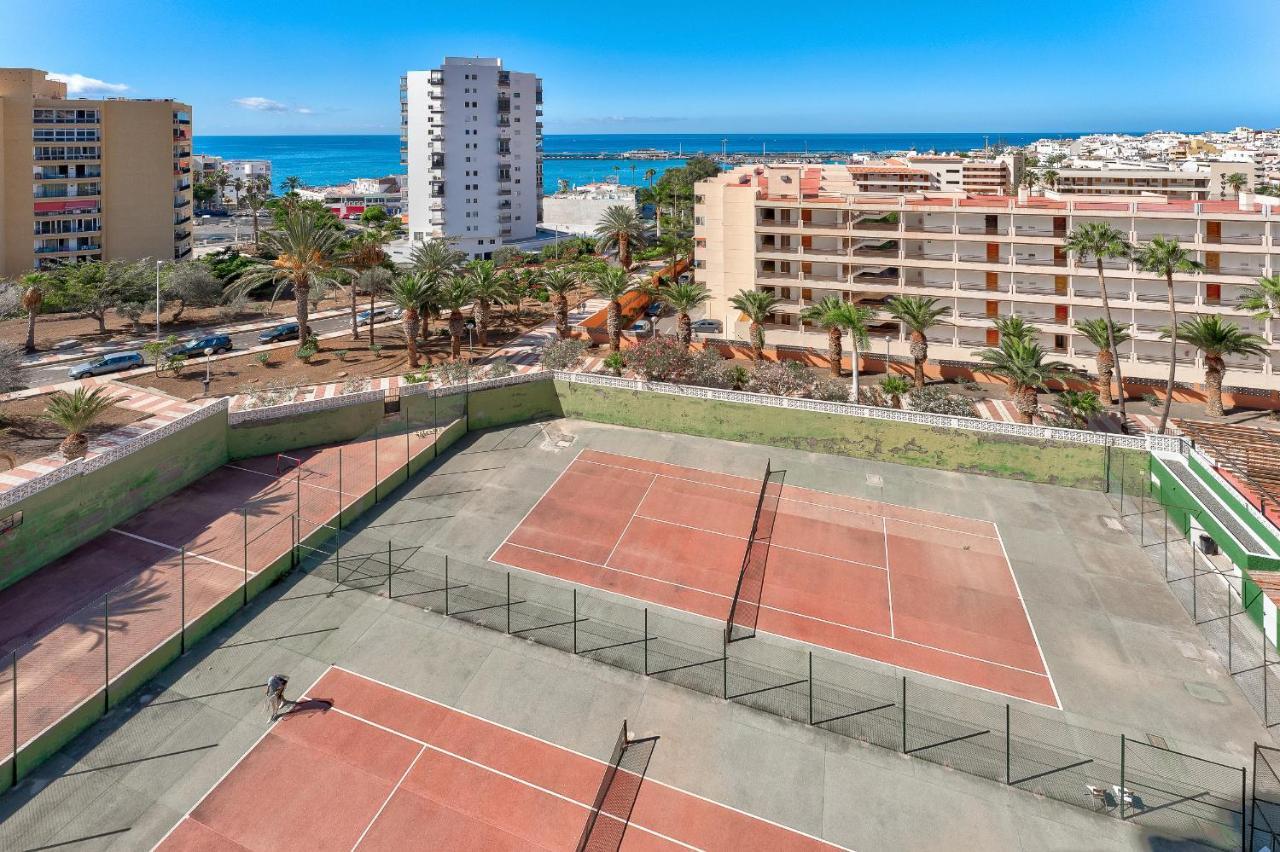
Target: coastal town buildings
pixel 351 200
pixel 579 210
pixel 84 179
pixel 206 166
pixel 804 232
pixel 471 137
pixel 925 172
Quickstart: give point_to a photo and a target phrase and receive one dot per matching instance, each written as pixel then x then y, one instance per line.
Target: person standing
pixel 275 695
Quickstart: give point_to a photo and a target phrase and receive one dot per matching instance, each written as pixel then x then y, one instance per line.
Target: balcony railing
pixel 874 226
pixel 981 230
pixel 1039 261
pixel 1236 239
pixel 929 255
pixel 930 229
pixel 1036 231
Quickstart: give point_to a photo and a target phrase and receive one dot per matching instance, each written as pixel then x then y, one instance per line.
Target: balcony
pixel 504 105
pixel 182 219
pixel 53 229
pixel 1235 240
pixel 981 230
pixel 66 249
pixel 65 191
pixel 1040 261
pixel 74 154
pixel 179 203
pixel 933 255
pixel 504 79
pixel 1037 231
pixel 502 191
pixel 877 226
pixel 179 236
pixel 927 229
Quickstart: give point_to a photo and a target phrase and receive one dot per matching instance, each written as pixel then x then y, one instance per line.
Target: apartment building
pixel 471 137
pixel 795 231
pixel 350 200
pixel 85 179
pixel 936 172
pixel 1206 181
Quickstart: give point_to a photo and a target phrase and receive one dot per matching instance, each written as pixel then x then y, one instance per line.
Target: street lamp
pixel 208 356
pixel 158 263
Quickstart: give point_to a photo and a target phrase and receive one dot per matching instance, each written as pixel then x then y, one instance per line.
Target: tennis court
pixel 922 590
pixel 365 764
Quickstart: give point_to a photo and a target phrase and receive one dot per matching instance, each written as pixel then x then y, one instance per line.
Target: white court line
pixel 888 576
pixel 424 746
pixel 538 502
pixel 283 480
pixel 813 618
pixel 179 550
pixel 630 520
pixel 772 546
pixel 230 769
pixel 596 760
pixel 1027 615
pixel 394 789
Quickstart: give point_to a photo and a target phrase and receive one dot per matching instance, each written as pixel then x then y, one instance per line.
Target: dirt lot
pixel 27 435
pixel 52 329
pixel 243 373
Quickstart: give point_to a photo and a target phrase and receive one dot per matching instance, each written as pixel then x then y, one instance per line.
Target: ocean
pixel 325 160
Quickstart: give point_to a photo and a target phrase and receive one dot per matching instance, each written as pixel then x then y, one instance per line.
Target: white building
pixel 580 209
pixel 350 200
pixel 205 166
pixel 472 141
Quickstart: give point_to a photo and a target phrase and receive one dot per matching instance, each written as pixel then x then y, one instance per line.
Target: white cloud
pixel 305 110
pixel 78 84
pixel 262 104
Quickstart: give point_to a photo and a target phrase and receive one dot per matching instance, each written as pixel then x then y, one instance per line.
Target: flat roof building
pixel 88 179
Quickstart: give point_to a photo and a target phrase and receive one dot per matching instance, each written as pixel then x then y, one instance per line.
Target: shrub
pixel 563 354
pixel 355 384
pixel 831 390
pixel 342 354
pixel 658 359
pixel 500 369
pixel 1151 399
pixel 174 364
pixel 614 362
pixel 154 350
pixel 455 372
pixel 10 362
pixel 376 349
pixel 263 358
pixel 894 388
pixel 780 379
pixel 936 400
pixel 305 353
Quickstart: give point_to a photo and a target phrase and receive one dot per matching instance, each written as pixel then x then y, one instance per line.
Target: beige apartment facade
pixel 84 179
pixel 982 257
pixel 1208 183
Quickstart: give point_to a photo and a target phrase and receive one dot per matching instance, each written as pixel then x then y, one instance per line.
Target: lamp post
pixel 208 356
pixel 158 264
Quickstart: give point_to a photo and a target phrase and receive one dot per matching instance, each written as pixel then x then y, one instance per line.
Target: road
pixel 48 374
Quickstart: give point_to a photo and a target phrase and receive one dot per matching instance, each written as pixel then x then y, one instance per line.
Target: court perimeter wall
pixel 85 498
pixel 941 448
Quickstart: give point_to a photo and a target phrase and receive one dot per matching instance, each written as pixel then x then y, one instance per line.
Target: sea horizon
pixel 328 159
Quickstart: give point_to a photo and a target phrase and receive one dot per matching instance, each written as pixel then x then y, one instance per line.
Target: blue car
pixel 284 331
pixel 219 343
pixel 655 309
pixel 107 364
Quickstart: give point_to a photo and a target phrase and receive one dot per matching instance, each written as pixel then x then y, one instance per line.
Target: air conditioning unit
pixel 1208 546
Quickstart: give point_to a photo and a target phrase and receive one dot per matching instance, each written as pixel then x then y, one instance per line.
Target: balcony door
pixel 993 252
pixel 1213 232
pixel 993 280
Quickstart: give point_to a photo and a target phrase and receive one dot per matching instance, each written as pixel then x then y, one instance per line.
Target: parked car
pixel 376 315
pixel 706 326
pixel 107 364
pixel 219 343
pixel 284 331
pixel 655 309
pixel 640 326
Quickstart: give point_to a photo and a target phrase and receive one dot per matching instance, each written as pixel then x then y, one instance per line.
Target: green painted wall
pixel 59 519
pixel 1232 498
pixel 263 437
pixel 1181 504
pixel 513 404
pixel 1052 462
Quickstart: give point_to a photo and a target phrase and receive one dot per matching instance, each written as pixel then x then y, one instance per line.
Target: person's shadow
pixel 310 705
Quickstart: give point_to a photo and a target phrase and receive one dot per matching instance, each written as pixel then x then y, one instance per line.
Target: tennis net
pixel 745 608
pixel 611 812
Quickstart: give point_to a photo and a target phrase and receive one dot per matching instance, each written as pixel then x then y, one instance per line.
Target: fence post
pixel 15 717
pixel 1122 787
pixel 340 507
pixel 375 466
pixel 1008 745
pixel 1106 469
pixel 646 641
pixel 1246 834
pixel 244 534
pixel 446 584
pixel 724 662
pixel 904 714
pixel 508 603
pixel 182 600
pixel 388 570
pixel 106 654
pixel 575 619
pixel 810 687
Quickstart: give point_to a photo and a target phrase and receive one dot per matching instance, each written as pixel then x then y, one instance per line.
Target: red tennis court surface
pixel 386 769
pixel 926 591
pixel 211 536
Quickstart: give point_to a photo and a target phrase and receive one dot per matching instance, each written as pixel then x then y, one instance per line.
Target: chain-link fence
pixel 1264 815
pixel 1017 744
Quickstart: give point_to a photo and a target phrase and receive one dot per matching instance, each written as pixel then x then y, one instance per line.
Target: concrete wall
pixel 59 519
pixel 1051 462
pixel 328 426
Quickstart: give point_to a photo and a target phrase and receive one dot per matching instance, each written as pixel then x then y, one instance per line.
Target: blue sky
pixel 333 67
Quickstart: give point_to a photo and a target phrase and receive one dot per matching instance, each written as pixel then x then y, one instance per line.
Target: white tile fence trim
pixel 483 384
pixel 292 409
pixel 83 466
pixel 973 424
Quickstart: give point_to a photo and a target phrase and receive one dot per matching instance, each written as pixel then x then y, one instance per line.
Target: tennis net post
pixel 611 812
pixel 745 606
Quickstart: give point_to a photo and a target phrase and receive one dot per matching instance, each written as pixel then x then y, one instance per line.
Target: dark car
pixel 655 309
pixel 284 331
pixel 219 343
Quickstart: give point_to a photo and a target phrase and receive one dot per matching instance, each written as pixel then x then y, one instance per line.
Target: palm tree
pixel 1216 337
pixel 255 198
pixel 75 412
pixel 1237 182
pixel 1021 362
pixel 683 298
pixel 411 293
pixel 917 315
pixel 1030 179
pixel 438 258
pixel 306 251
pixel 560 281
pixel 454 294
pixel 648 176
pixel 488 285
pixel 756 305
pixel 855 319
pixel 894 386
pixel 374 282
pixel 613 283
pixel 1014 327
pixel 1101 241
pixel 1049 178
pixel 32 285
pixel 1107 337
pixel 364 252
pixel 829 313
pixel 291 184
pixel 1165 257
pixel 620 228
pixel 1264 298
pixel 1079 406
